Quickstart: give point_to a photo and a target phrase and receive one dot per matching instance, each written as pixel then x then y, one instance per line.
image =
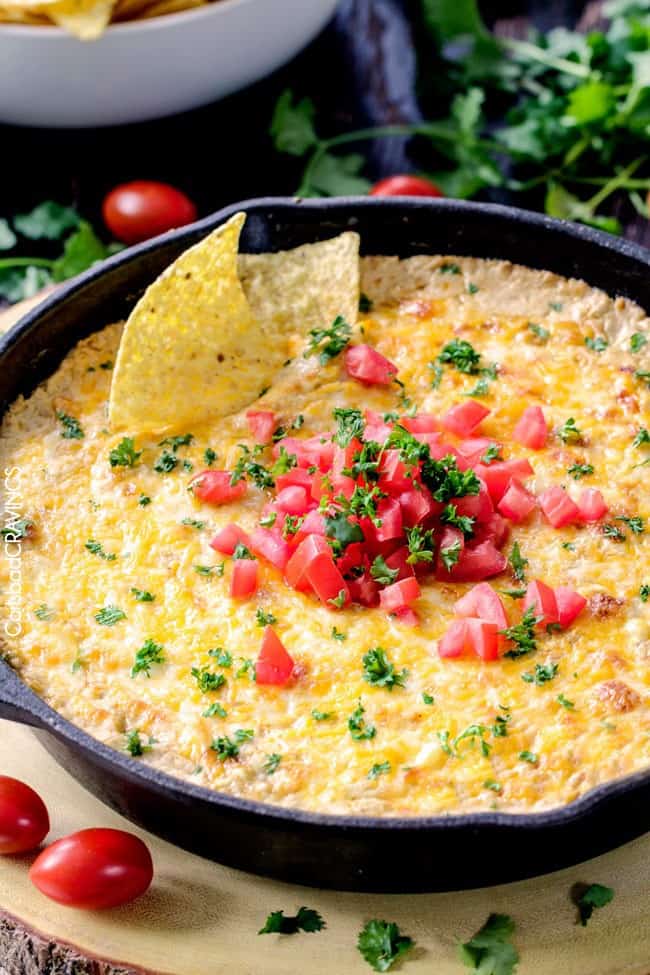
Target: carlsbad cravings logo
pixel 14 529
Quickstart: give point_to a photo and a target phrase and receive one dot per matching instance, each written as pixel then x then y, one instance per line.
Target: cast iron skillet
pixel 343 852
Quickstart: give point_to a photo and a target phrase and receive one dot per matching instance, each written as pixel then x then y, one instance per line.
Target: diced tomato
pixel 451 538
pixel 439 449
pixel 364 590
pixel 376 428
pixel 274 665
pixel 558 507
pixel 569 605
pixel 365 364
pixel 464 418
pixel 296 477
pixel 262 423
pixel 243 582
pixel 296 569
pixel 228 538
pixel 390 513
pixel 497 476
pixel 215 487
pixel 353 558
pixel 407 616
pixel 417 506
pixel 422 423
pixel 292 499
pixel 495 529
pixel 343 460
pixel 308 453
pixel 483 638
pixel 398 560
pixel 517 503
pixel 477 506
pixel 541 598
pixel 270 545
pixel 395 476
pixel 531 429
pixel 399 595
pixel 454 641
pixel 314 524
pixel 592 505
pixel 472 450
pixel 326 581
pixel 480 562
pixel 484 603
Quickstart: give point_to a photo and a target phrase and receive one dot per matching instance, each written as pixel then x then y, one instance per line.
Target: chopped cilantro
pixel 636 524
pixel 292 524
pixel 272 762
pixel 450 555
pixel 305 920
pixel 450 517
pixel 474 733
pixel 420 545
pixel 351 425
pixel 481 388
pixel 500 726
pixel 381 943
pixel 321 715
pixel 242 552
pixel 529 757
pixel 578 471
pixel 193 523
pixel 597 344
pixel 175 442
pixel 637 341
pixel 589 898
pixel 613 532
pixel 70 427
pixel 134 744
pixel 166 462
pixel 342 530
pixel 556 305
pixel 267 521
pixel 427 698
pixel 539 332
pixel 462 355
pixel 437 374
pixel 246 668
pixel 338 635
pixel 340 600
pixel 514 593
pixel 215 709
pixel 640 374
pixel 517 563
pixel 644 592
pixel 284 463
pixel 358 727
pixel 223 657
pixel 109 615
pixel 142 595
pixel 565 702
pixel 210 570
pixel 569 546
pixel 365 304
pixel 443 738
pixel 206 680
pixel 149 653
pixel 248 466
pixel 125 454
pixel 522 634
pixel 472 288
pixel 379 768
pixel 489 951
pixel 569 432
pixel 209 456
pixel 492 785
pixel 492 453
pixel 327 343
pixel 265 619
pixel 78 663
pixel 541 675
pixel 449 268
pixel 226 747
pixel 642 437
pixel 144 500
pixel 378 670
pixel 45 613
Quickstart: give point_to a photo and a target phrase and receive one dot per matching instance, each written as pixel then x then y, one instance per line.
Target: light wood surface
pixel 202 919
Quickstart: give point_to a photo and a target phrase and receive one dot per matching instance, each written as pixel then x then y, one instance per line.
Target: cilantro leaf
pixel 47 221
pixel 17 283
pixel 522 634
pixel 378 670
pixel 462 355
pixel 517 563
pixel 70 427
pixel 351 425
pixel 382 944
pixel 541 675
pixel 81 251
pixel 125 454
pixel 342 530
pixel 7 236
pixel 357 725
pixel 489 951
pixel 305 919
pixel 589 898
pixel 327 343
pixel 292 125
pixel 109 615
pixel 381 573
pixel 149 653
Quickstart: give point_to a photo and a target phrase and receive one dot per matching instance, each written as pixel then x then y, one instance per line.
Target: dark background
pixel 361 70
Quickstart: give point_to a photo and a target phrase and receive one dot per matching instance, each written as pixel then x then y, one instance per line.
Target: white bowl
pixel 150 68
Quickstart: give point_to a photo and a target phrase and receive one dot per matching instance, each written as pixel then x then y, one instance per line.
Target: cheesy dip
pixel 466 470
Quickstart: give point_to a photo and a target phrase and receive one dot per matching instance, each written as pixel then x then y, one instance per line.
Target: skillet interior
pixel 340 852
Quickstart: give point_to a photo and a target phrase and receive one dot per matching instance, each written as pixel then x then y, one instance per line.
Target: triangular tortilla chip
pixel 297 290
pixel 86 19
pixel 191 347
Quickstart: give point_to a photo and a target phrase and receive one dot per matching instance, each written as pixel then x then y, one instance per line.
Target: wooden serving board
pixel 200 918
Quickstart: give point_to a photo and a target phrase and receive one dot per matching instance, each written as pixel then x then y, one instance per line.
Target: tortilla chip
pixel 86 19
pixel 162 7
pixel 297 290
pixel 191 347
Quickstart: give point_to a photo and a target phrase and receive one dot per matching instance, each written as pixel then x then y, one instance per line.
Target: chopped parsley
pixel 125 454
pixel 338 635
pixel 267 521
pixel 215 709
pixel 640 374
pixel 378 670
pixel 351 425
pixel 517 563
pixel 206 680
pixel 578 471
pixel 305 920
pixel 70 427
pixel 539 332
pixel 589 898
pixel 492 453
pixel 175 442
pixel 292 525
pixel 109 615
pixel 45 613
pixel 637 341
pixel 474 733
pixel 597 344
pixel 339 601
pixel 265 619
pixel 450 555
pixel 165 463
pixel 461 355
pixel 489 951
pixel 420 545
pixel 514 593
pixel 427 698
pixel 500 726
pixel 565 702
pixel 134 744
pixel 193 523
pixel 493 785
pixel 241 552
pixel 342 530
pixel 144 500
pixel 365 304
pixel 569 432
pixel 142 595
pixel 472 288
pixel 272 762
pixel 644 593
pixel 636 524
pixel 379 768
pixel 209 456
pixel 556 305
pixel 327 343
pixel 357 726
pixel 210 570
pixel 449 268
pixel 223 657
pixel 463 522
pixel 642 438
pixel 613 532
pixel 247 466
pixel 382 944
pixel 522 634
pixel 246 668
pixel 529 757
pixel 284 463
pixel 542 674
pixel 226 747
pixel 321 715
pixel 149 653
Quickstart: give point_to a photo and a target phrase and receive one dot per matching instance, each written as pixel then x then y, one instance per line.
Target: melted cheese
pixel 83 669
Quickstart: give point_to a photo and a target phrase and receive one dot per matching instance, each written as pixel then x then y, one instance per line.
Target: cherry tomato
pixel 142 209
pixel 405 185
pixel 24 821
pixel 93 869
